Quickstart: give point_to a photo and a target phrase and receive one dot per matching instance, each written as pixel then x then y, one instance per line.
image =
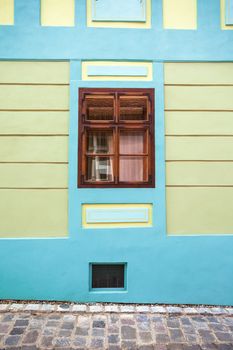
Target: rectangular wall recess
pixel 119 11
pixel 107 276
pixel 116 215
pixel 229 12
pixel 119 14
pixel 110 70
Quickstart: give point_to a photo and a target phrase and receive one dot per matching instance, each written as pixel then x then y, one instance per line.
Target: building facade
pixel 116 150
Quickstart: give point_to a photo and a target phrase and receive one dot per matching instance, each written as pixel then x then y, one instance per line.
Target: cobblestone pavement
pixel 113 327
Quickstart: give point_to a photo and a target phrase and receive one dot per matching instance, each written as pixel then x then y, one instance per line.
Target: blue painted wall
pixel 175 269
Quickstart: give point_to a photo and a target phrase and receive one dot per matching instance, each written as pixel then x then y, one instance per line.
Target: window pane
pixel 134 108
pixel 108 276
pixel 99 169
pixel 133 169
pixel 99 142
pixel 99 108
pixel 133 142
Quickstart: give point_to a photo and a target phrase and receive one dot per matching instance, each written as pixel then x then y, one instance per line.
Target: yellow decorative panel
pixel 58 13
pixel 34 149
pixel 33 213
pixel 199 97
pixel 112 24
pixel 193 211
pixel 37 72
pixel 116 215
pixel 199 173
pixel 6 12
pixel 198 73
pixel 180 14
pixel 223 16
pixel 34 97
pixel 33 175
pixel 199 123
pixel 36 123
pixel 199 148
pixel 129 70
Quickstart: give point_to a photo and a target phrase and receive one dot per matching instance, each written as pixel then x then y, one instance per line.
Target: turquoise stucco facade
pixel 195 269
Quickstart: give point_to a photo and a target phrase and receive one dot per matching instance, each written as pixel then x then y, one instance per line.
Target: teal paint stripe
pixel 139 71
pixel 158 270
pixel 111 215
pixel 208 19
pixel 207 43
pixel 229 12
pixel 120 10
pixel 159 212
pixel 27 13
pixel 75 216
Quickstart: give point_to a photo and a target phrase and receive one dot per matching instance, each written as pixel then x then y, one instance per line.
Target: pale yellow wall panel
pixel 105 24
pixel 198 73
pixel 57 12
pixel 34 72
pixel 199 211
pixel 180 14
pixel 26 122
pixel 33 213
pixel 6 12
pixel 34 97
pixel 199 148
pixel 223 16
pixel 199 123
pixel 33 175
pixel 199 173
pixel 199 97
pixel 34 149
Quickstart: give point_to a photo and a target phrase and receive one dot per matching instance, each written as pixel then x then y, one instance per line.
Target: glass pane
pixel 99 169
pixel 133 108
pixel 133 169
pixel 108 276
pixel 99 108
pixel 133 142
pixel 100 142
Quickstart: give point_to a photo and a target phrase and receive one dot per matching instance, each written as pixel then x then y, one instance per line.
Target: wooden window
pixel 116 138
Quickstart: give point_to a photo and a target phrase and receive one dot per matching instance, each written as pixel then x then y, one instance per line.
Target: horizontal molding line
pixel 33 188
pixel 198 110
pixel 25 162
pixel 36 84
pixel 199 186
pixel 34 110
pixel 193 135
pixel 199 160
pixel 32 135
pixel 198 85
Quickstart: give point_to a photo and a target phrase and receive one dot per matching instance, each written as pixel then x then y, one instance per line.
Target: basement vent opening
pixel 108 276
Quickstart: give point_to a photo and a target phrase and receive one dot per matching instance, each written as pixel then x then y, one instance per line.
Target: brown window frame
pixel 116 125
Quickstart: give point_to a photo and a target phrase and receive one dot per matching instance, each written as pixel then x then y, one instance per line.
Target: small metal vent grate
pixel 108 276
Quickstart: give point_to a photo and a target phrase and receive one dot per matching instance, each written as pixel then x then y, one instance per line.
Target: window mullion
pixel 84 146
pixel 116 154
